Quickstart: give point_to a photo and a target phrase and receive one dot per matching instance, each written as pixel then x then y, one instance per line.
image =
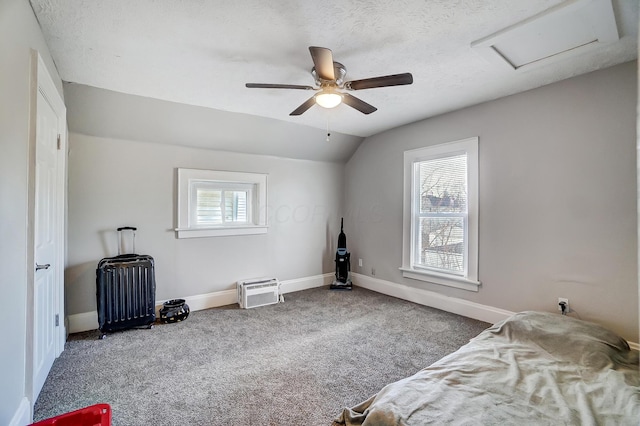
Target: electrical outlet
pixel 566 304
pixel 360 263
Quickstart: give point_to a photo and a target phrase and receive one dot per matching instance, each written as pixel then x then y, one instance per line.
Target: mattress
pixel 532 368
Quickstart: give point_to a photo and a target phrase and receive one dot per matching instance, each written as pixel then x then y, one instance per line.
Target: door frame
pixel 41 81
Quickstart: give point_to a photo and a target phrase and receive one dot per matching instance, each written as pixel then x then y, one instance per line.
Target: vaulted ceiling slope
pixel 201 53
pixel 109 114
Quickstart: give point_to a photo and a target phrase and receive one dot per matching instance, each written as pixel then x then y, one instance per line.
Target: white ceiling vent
pixel 557 33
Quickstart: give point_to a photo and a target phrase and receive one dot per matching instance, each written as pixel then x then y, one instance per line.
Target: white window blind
pixel 220 203
pixel 213 203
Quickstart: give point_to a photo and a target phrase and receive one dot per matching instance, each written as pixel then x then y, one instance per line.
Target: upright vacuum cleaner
pixel 343 263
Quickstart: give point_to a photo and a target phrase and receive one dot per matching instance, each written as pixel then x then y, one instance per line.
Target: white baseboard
pixel 89 320
pixel 299 284
pixel 206 301
pixel 22 415
pixel 229 297
pixel 435 300
pixel 83 322
pixel 462 307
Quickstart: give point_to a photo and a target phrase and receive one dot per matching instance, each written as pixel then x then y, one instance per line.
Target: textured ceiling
pixel 201 52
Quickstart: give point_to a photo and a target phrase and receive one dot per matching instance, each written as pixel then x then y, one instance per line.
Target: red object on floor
pixel 94 415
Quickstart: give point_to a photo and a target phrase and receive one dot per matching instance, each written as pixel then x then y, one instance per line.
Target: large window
pixel 441 214
pixel 218 203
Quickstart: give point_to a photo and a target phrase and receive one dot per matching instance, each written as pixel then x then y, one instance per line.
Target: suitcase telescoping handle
pixel 133 229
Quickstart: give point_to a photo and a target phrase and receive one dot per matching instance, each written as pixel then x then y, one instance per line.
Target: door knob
pixel 45 266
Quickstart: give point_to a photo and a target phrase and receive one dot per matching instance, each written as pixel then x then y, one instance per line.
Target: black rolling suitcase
pixel 125 290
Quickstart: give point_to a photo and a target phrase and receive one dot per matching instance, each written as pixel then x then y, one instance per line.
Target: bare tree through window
pixel 442 218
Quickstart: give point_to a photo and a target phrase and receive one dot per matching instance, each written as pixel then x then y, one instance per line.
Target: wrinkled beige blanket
pixel 532 368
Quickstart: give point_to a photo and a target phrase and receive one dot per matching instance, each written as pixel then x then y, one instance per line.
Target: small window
pixel 219 203
pixel 441 214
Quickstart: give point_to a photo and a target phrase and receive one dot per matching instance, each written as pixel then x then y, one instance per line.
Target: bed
pixel 532 368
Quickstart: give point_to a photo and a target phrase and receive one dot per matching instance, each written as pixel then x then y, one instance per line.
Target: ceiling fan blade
pixel 305 106
pixel 384 81
pixel 277 86
pixel 358 104
pixel 323 62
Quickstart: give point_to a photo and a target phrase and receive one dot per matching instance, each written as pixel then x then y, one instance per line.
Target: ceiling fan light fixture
pixel 328 99
pixel 329 77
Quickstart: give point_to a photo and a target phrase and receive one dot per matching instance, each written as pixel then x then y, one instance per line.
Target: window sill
pixel 220 232
pixel 441 279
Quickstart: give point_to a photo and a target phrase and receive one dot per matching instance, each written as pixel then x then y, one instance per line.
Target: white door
pixel 49 333
pixel 45 285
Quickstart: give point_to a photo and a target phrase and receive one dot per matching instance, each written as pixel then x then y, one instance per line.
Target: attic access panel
pixel 557 33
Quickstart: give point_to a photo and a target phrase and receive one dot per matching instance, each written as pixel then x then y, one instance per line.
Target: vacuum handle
pixel 133 229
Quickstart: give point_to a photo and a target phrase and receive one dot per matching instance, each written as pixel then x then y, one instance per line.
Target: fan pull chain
pixel 328 132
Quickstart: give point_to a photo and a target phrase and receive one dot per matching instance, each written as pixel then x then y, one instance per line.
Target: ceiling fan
pixel 329 78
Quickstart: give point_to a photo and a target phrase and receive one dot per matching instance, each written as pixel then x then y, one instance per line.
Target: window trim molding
pixel 470 281
pixel 183 202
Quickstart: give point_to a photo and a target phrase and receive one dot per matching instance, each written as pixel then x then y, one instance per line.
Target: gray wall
pixel 115 182
pixel 105 113
pixel 557 198
pixel 19 33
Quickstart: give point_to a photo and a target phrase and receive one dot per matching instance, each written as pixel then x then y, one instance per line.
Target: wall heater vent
pixel 257 292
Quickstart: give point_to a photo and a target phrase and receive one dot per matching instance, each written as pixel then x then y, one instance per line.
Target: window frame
pixel 469 279
pixel 256 183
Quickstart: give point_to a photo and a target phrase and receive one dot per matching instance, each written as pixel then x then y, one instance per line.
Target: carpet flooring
pixel 294 363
